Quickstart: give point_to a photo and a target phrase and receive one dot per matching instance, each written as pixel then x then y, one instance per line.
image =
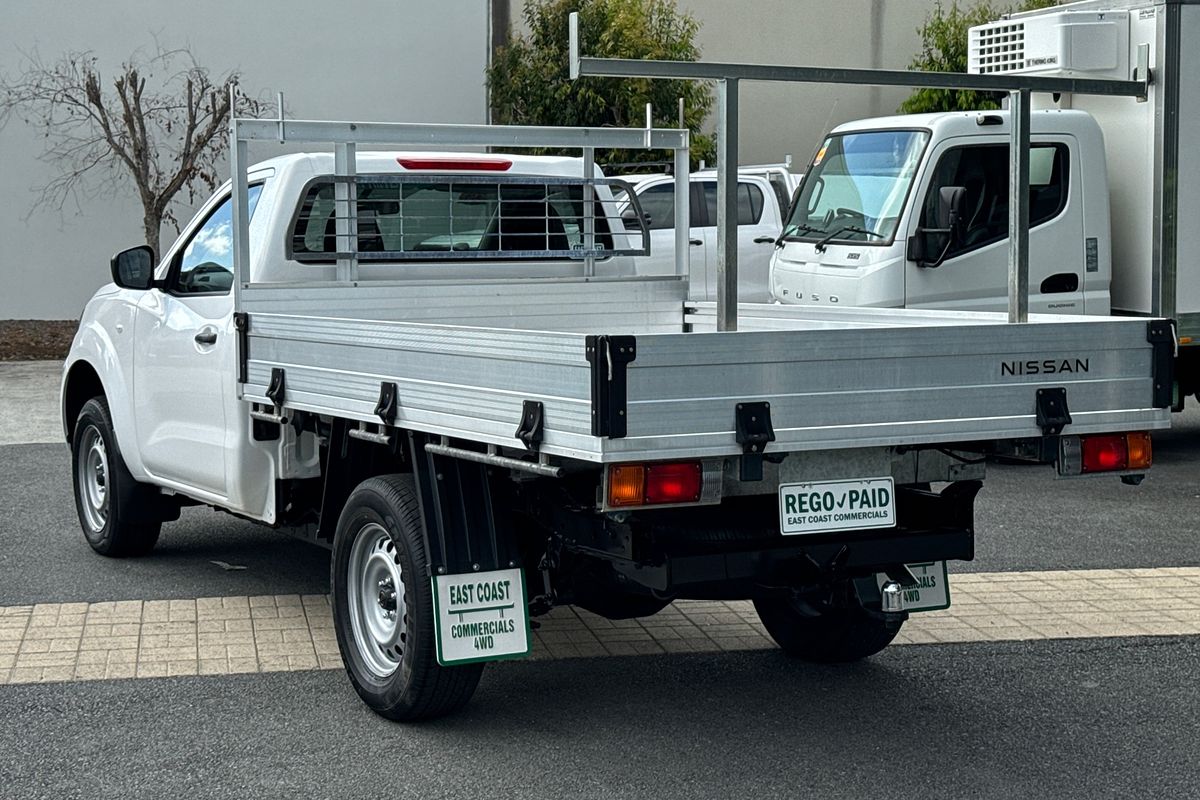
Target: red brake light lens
pixel 673 483
pixel 1104 453
pixel 473 163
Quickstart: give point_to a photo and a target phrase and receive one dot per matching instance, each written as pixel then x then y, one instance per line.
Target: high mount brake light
pixel 1116 452
pixel 452 163
pixel 655 484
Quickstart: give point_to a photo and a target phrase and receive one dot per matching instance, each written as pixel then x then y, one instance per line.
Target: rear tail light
pixel 655 484
pixel 673 483
pixel 1117 452
pixel 1104 453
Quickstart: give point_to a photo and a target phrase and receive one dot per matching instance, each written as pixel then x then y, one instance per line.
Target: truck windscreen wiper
pixel 799 227
pixel 821 245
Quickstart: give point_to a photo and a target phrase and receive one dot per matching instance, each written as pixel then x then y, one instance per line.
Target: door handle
pixel 695 242
pixel 1061 283
pixel 764 240
pixel 206 337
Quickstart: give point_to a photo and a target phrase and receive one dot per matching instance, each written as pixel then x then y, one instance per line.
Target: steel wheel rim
pixel 93 475
pixel 376 600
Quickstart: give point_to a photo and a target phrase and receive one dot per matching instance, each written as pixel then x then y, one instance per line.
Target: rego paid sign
pixel 837 505
pixel 480 616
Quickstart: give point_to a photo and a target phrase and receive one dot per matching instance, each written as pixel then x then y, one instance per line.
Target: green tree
pixel 944 49
pixel 529 84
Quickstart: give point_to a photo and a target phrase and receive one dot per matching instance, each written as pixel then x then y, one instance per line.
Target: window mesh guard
pixel 422 217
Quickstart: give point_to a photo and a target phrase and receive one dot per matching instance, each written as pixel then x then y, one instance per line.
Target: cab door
pixel 758 225
pixel 973 273
pixel 185 358
pixel 658 204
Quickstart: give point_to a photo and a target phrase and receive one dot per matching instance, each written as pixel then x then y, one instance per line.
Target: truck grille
pixel 999 47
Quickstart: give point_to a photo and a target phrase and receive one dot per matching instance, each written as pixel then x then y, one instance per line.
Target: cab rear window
pixel 445 217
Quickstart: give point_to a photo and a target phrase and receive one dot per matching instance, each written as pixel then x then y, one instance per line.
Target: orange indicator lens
pixel 1141 453
pixel 626 485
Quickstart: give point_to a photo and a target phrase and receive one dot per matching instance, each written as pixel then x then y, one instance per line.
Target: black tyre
pixel 837 636
pixel 383 607
pixel 118 515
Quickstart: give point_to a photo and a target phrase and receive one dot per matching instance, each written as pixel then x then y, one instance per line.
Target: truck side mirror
pixel 949 225
pixel 134 268
pixel 949 211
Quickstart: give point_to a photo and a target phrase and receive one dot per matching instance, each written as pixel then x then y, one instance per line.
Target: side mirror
pixel 134 268
pixel 916 249
pixel 949 225
pixel 949 211
pixel 629 217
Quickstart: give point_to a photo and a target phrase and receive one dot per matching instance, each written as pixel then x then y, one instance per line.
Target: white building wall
pixel 393 60
pixel 778 118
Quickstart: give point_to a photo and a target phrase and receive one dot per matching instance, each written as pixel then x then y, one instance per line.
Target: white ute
pixel 760 217
pixel 443 367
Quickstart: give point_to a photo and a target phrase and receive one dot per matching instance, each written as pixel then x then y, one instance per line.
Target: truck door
pixel 758 225
pixel 184 364
pixel 658 202
pixel 973 274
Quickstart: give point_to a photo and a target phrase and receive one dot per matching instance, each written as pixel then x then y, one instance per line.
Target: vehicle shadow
pixel 956 720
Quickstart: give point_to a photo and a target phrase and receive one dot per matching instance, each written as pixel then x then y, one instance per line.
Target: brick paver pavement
pixel 225 635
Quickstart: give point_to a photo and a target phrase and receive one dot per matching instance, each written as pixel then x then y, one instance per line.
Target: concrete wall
pixel 777 119
pixel 788 118
pixel 369 59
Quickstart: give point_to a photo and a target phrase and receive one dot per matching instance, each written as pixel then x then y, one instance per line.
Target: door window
pixel 749 200
pixel 658 202
pixel 983 171
pixel 205 265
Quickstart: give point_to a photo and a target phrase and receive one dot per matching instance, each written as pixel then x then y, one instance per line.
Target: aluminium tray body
pixel 833 379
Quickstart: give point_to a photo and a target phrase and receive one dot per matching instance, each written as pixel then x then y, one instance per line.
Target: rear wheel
pixel 383 607
pixel 115 511
pixel 837 635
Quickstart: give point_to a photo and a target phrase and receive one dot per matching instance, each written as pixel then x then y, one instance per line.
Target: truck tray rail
pixel 613 392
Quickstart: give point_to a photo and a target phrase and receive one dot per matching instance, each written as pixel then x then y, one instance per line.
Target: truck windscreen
pixel 856 187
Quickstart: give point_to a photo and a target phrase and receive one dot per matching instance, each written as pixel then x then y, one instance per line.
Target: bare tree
pixel 160 122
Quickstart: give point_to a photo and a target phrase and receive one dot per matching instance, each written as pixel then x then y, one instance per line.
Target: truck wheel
pixel 112 506
pixel 838 636
pixel 383 607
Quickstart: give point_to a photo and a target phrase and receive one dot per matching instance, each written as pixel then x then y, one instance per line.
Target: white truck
pixel 443 367
pixel 912 211
pixel 760 218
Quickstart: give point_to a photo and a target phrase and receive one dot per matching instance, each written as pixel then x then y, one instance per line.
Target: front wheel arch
pixel 82 384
